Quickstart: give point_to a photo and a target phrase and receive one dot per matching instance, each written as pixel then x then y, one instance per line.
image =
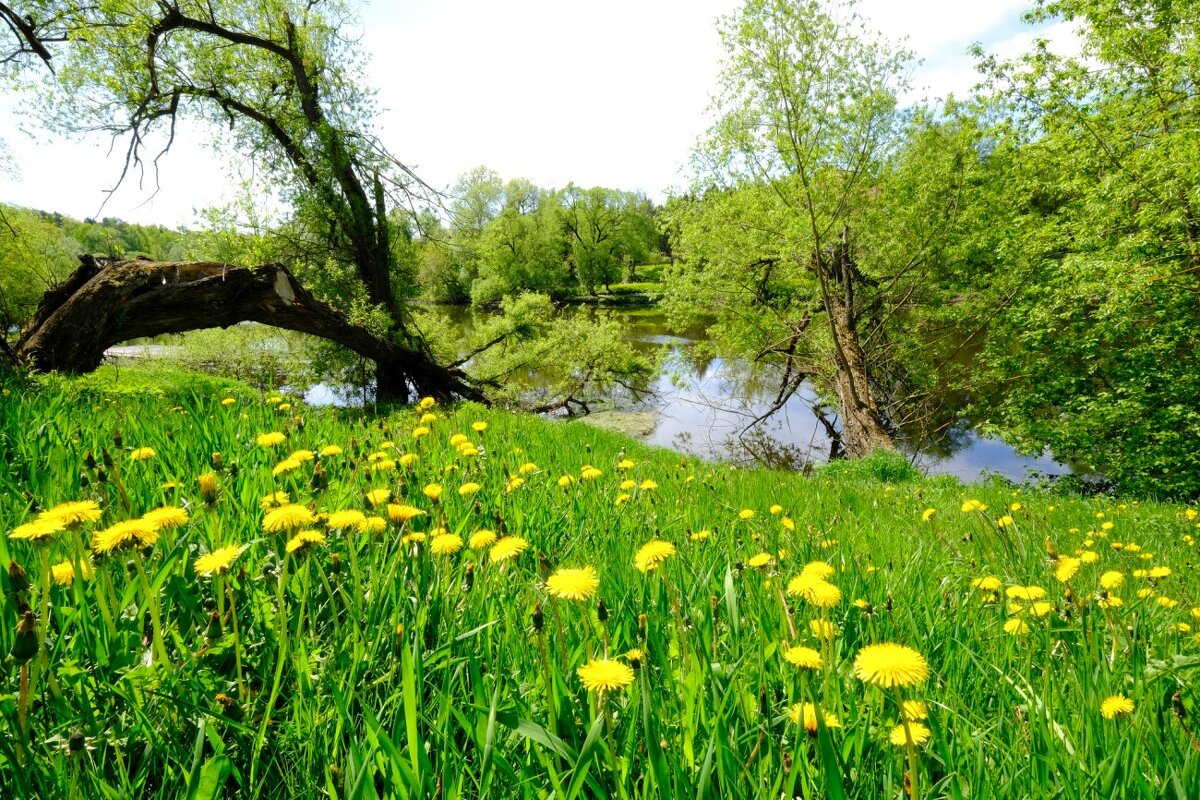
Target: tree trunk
pixel 863 430
pixel 106 302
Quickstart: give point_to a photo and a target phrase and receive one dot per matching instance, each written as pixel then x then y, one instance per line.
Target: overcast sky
pixel 602 94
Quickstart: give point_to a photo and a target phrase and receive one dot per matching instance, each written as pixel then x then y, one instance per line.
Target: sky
pixel 600 94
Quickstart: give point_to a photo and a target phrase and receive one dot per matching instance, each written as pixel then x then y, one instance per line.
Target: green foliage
pixel 1096 355
pixel 373 666
pixel 885 466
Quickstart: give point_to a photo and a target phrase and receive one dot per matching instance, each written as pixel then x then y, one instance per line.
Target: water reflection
pixel 701 405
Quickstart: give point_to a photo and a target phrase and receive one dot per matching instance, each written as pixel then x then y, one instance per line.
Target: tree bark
pixel 863 429
pixel 105 302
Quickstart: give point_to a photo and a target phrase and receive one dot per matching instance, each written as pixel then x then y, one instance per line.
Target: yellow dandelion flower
pixel 433 491
pixel 348 518
pixel 573 584
pixel 527 468
pixel 166 517
pixel 514 482
pixel 987 583
pixel 373 525
pixel 1168 602
pixel 699 536
pixel 928 514
pixel 228 401
pixel 760 560
pixel 330 450
pixel 457 439
pixel 973 505
pixel 822 629
pixel 1116 705
pixel 479 427
pixel 408 459
pixel 604 674
pixel 1112 579
pixel 428 419
pixel 304 541
pixel 130 533
pixel 74 512
pixel 1016 627
pixel 807 713
pixel 446 544
pixel 803 657
pixel 426 403
pixel 413 537
pixel 270 439
pixel 274 400
pixel 303 456
pixel 652 555
pixel 481 539
pixel 285 466
pixel 37 531
pixel 649 485
pixel 788 523
pixel 219 561
pixel 1089 557
pixel 64 572
pixel 377 497
pixel 1110 601
pixel 622 499
pixel 627 484
pixel 919 733
pixel 890 665
pixel 1066 568
pixel 565 481
pixel 506 548
pixel 589 473
pixel 1159 572
pixel 468 489
pixel 817 569
pixel 385 465
pixel 776 509
pixel 287 518
pixel 403 513
pixel 142 453
pixel 913 710
pixel 274 500
pixel 625 464
pixel 746 513
pixel 1025 592
pixel 420 431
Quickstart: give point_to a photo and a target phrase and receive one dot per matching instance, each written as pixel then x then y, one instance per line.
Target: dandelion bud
pixel 89 460
pixel 230 707
pixel 642 625
pixel 468 578
pixel 214 627
pixel 335 564
pixel 170 434
pixel 763 709
pixel 233 470
pixel 208 487
pixel 76 743
pixel 1177 706
pixel 217 459
pixel 538 619
pixel 888 604
pixel 18 581
pixel 25 643
pixel 106 458
pixel 117 438
pixel 602 612
pixel 84 481
pixel 101 475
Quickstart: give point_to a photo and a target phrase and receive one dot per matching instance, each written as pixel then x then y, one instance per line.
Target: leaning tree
pixel 280 78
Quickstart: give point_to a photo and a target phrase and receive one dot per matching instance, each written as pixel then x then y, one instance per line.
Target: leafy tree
pixel 1096 355
pixel 285 81
pixel 806 118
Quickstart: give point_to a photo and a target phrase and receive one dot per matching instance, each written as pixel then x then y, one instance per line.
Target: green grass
pixel 372 667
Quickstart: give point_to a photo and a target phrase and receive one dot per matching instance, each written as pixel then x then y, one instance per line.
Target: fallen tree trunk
pixel 108 301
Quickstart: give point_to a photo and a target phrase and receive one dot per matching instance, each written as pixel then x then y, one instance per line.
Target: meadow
pixel 212 592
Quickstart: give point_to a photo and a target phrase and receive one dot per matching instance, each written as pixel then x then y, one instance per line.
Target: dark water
pixel 702 406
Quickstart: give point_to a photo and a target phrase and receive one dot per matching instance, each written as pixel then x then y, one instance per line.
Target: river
pixel 702 406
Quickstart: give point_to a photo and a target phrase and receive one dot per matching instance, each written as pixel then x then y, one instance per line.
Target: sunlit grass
pixel 349 657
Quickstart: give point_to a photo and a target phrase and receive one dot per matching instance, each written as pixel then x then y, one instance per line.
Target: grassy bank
pixel 429 645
